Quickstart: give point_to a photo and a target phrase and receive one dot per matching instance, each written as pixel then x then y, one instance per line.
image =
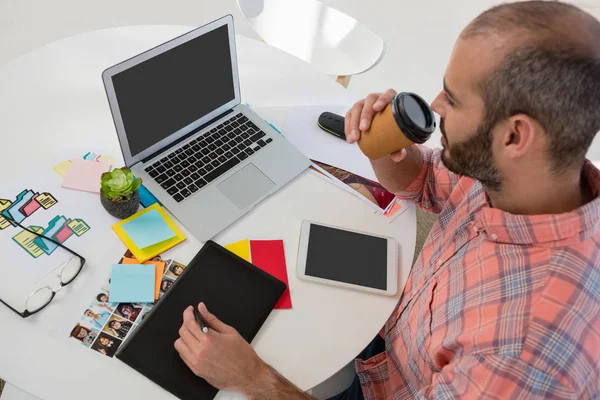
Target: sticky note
pixel 393 210
pixel 146 253
pixel 84 175
pixel 269 256
pixel 148 229
pixel 147 198
pixel 62 168
pixel 160 270
pixel 133 283
pixel 240 249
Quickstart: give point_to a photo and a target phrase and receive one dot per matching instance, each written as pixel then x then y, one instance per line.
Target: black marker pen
pixel 200 321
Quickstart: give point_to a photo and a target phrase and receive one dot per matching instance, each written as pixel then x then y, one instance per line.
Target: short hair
pixel 550 71
pixel 172 267
pixel 77 329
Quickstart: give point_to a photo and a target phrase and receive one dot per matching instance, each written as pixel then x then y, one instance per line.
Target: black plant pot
pixel 121 209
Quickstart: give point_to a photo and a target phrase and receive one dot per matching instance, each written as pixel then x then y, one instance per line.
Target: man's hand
pixel 221 356
pixel 359 117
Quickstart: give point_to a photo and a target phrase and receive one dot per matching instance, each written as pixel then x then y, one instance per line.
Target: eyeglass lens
pixel 70 270
pixel 40 298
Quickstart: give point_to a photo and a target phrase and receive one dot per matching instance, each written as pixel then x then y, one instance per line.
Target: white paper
pixel 334 181
pixel 74 218
pixel 302 131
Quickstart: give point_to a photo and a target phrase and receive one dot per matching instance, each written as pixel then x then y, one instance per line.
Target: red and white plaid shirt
pixel 497 306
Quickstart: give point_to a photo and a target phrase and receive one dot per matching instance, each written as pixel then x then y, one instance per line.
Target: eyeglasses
pixel 68 271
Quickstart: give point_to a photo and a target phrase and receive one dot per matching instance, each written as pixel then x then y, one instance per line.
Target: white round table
pixel 52 102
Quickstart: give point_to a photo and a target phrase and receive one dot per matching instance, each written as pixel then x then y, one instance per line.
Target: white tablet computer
pixel 351 259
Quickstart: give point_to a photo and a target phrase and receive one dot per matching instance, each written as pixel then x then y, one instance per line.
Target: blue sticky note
pixel 132 283
pixel 148 229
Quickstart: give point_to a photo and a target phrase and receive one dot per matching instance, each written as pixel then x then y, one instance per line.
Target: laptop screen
pixel 172 90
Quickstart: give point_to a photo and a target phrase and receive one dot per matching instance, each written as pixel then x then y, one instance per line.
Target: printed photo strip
pixel 104 326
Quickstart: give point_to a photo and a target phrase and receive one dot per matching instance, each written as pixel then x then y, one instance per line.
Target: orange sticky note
pixel 160 270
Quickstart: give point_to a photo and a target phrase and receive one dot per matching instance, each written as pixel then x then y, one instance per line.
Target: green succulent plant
pixel 119 184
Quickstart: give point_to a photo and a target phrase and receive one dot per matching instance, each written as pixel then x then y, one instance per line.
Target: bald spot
pixel 551 26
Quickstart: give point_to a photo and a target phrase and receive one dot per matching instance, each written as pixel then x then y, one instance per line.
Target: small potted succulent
pixel 119 192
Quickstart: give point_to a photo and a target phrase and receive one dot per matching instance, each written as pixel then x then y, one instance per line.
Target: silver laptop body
pixel 182 129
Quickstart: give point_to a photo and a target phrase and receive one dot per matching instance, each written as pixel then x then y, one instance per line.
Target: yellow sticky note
pixel 61 168
pixel 240 249
pixel 108 159
pixel 151 251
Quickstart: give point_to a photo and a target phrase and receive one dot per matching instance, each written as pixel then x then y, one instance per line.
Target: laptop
pixel 182 128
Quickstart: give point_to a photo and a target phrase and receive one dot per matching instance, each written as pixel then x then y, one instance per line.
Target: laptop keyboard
pixel 189 168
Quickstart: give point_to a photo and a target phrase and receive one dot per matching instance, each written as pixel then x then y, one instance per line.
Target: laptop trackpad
pixel 246 186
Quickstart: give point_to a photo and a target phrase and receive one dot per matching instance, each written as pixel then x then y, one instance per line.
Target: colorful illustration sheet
pixel 104 326
pixel 38 202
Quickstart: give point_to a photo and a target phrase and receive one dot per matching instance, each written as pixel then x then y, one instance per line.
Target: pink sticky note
pixel 85 175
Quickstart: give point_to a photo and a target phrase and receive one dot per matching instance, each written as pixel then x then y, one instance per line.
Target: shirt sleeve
pixel 432 187
pixel 494 377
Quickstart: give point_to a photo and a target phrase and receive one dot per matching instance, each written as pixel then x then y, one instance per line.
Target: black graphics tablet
pixel 237 292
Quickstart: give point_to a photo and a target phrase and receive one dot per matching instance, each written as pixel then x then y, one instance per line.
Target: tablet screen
pixel 348 257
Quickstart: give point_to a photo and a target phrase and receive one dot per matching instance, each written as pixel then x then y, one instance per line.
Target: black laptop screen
pixel 170 91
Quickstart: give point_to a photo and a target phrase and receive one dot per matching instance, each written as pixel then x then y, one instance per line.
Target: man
pixel 504 300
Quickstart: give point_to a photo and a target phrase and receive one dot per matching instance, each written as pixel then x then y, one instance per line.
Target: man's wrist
pixel 263 377
pixel 269 384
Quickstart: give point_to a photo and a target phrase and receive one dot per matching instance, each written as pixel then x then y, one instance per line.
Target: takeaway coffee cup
pixel 407 120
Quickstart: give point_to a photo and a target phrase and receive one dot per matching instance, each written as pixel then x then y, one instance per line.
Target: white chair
pixel 334 42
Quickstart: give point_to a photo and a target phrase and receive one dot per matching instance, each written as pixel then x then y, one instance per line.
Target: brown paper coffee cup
pixel 407 120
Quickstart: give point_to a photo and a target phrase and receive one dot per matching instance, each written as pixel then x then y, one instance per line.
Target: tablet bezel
pixel 392 261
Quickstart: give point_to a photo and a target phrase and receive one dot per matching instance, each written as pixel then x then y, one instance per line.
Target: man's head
pixel 522 87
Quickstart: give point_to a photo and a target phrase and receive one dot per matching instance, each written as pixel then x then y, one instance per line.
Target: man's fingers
pixel 182 348
pixel 189 321
pixel 354 121
pixel 186 355
pixel 213 322
pixel 384 100
pixel 347 123
pixel 190 340
pixel 367 113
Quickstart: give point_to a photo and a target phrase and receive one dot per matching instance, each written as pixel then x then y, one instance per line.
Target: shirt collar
pixel 551 230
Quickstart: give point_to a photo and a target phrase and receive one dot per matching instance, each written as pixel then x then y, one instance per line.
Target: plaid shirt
pixel 497 305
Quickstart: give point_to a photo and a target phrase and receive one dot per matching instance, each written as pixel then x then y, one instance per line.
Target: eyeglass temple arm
pixel 22 314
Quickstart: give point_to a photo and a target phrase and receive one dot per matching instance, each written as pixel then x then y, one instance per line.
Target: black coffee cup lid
pixel 414 117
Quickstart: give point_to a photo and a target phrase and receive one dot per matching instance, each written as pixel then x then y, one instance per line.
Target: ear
pixel 520 135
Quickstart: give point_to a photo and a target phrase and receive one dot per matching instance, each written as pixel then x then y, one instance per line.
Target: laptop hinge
pixel 181 139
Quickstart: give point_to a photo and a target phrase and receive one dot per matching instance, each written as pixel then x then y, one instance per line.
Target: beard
pixel 473 157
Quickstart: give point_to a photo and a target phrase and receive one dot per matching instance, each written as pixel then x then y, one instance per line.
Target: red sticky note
pixel 269 256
